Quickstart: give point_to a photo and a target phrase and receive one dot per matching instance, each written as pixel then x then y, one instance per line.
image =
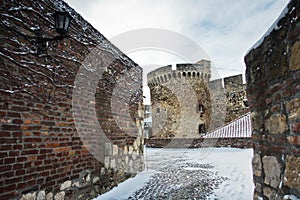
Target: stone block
pixel 125 151
pixel 41 195
pixel 258 187
pixel 276 124
pixel 130 150
pixel 257 120
pixel 135 145
pixel 138 141
pixel 49 196
pixel 134 155
pixel 102 172
pixel 88 178
pixel 292 172
pixel 106 162
pixel 272 171
pixel 256 164
pixel 76 184
pixel 295 127
pixel 108 149
pixel 65 185
pixel 60 196
pixel 97 189
pixel 29 196
pixel 96 180
pixel 294 63
pixel 295 140
pixel 268 192
pixel 115 150
pixel 293 108
pixel 113 163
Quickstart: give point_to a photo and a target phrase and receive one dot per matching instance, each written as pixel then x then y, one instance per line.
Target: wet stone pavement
pixel 179 179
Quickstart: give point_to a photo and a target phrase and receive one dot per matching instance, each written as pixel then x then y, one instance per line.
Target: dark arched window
pixel 202 129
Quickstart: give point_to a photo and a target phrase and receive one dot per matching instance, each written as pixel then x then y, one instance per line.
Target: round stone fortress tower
pixel 181 101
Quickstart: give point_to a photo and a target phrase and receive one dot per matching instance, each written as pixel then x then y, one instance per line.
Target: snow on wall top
pixel 274 26
pixel 102 41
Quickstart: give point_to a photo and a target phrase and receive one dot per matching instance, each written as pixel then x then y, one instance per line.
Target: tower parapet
pixel 199 70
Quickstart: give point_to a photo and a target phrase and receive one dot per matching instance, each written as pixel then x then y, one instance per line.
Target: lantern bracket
pixel 62 22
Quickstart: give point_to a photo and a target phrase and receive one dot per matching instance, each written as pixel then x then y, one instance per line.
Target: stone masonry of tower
pixel 186 104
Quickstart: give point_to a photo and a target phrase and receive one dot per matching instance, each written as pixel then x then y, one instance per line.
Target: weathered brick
pixel 17 121
pixel 13 114
pixel 28 152
pixel 5 133
pixel 13 180
pixel 21 186
pixel 20 108
pixel 294 140
pixel 296 127
pixel 9 160
pixel 10 127
pixel 20 172
pixel 2 113
pixel 52 145
pixel 33 140
pixel 7 188
pixel 18 166
pixel 27 121
pixel 5 168
pixel 6 147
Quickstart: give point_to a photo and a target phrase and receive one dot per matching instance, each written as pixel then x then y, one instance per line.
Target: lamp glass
pixel 62 22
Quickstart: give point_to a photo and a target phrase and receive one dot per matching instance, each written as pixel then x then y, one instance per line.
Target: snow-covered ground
pixel 206 173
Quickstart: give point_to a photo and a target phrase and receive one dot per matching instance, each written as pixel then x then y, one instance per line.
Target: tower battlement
pixel 199 70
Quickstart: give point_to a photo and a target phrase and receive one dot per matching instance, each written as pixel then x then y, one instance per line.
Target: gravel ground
pixel 177 180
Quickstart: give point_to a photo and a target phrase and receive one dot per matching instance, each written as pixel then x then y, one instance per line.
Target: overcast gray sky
pixel 225 29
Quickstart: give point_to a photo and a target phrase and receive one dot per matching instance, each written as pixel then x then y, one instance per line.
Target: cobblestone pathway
pixel 178 179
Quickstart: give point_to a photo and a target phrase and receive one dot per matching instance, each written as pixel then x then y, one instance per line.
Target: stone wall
pixel 60 135
pixel 273 90
pixel 180 100
pixel 236 100
pixel 198 142
pixel 186 103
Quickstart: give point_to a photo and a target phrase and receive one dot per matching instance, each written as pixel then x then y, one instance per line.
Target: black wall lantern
pixel 62 22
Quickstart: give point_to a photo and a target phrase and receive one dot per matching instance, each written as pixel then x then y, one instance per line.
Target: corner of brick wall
pixel 273 74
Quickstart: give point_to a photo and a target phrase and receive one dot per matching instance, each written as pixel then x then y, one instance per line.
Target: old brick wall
pixel 43 149
pixel 273 74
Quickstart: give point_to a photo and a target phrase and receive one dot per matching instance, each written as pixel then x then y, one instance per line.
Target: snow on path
pixel 206 173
